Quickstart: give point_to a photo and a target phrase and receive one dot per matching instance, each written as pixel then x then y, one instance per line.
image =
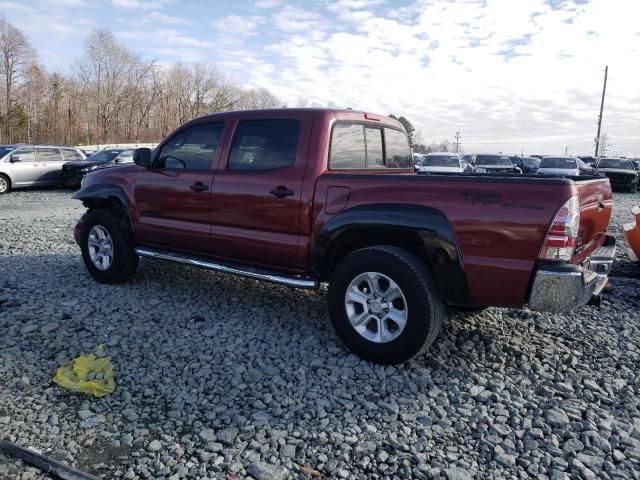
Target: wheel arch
pixel 423 231
pixel 110 197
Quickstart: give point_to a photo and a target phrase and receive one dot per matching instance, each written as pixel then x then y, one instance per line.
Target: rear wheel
pixel 383 304
pixel 106 249
pixel 5 184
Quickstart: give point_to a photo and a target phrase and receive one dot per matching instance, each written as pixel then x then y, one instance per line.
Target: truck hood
pixel 80 164
pixel 441 169
pixel 618 170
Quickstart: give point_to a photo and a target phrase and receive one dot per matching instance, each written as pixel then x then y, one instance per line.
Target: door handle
pixel 199 187
pixel 281 192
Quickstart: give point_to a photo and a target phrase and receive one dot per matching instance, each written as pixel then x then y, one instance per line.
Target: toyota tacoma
pixel 302 197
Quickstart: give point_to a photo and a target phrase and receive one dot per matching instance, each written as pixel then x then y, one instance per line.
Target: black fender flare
pixel 423 230
pixel 106 196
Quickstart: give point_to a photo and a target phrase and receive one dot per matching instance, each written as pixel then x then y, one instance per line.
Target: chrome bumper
pixel 560 288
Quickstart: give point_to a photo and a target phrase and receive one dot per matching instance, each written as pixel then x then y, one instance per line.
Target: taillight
pixel 562 237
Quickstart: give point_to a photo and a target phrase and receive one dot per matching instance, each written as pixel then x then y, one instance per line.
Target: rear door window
pixel 264 144
pixel 49 155
pixel 356 146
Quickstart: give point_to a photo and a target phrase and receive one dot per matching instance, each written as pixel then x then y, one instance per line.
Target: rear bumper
pixel 560 288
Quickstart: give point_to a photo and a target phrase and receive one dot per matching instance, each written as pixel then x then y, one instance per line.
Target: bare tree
pixel 16 53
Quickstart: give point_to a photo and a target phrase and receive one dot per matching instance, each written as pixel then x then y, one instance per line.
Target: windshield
pixel 493 160
pixel 104 156
pixel 530 162
pixel 615 163
pixel 5 150
pixel 558 162
pixel 441 161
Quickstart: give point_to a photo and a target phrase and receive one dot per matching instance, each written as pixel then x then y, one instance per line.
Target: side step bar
pixel 290 281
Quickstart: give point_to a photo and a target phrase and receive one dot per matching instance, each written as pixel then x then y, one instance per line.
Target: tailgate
pixel 596 205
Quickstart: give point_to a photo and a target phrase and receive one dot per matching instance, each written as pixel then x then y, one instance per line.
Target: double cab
pixel 303 197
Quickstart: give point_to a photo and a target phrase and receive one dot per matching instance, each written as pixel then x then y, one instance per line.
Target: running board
pixel 290 281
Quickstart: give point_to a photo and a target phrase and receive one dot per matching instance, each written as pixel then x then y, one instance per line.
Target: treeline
pixel 111 95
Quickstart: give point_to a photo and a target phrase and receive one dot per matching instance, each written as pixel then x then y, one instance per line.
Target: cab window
pixel 191 149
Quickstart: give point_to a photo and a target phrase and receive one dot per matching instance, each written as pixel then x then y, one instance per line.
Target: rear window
pixel 71 155
pixel 441 161
pixel 356 146
pixel 558 162
pixel 397 151
pixel 493 160
pixel 264 144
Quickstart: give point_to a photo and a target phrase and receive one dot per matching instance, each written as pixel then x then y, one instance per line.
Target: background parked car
pixel 417 160
pixel 591 161
pixel 562 166
pixel 34 165
pixel 109 157
pixel 442 162
pixel 622 173
pixel 492 163
pixel 526 164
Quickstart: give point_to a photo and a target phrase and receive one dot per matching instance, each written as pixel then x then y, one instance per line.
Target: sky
pixel 512 76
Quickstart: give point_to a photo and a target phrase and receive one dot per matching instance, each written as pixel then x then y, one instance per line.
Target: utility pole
pixel 457 141
pixel 566 151
pixel 604 89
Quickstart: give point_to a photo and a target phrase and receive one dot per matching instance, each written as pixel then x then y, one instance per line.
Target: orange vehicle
pixel 632 232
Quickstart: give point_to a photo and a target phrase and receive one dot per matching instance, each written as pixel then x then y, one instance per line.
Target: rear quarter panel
pixel 499 223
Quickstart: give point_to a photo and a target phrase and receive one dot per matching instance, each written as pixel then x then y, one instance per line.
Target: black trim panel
pixel 424 230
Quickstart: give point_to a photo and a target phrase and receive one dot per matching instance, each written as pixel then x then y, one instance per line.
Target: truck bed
pixel 500 221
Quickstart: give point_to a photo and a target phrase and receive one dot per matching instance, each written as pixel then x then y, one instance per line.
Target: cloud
pixel 138 4
pixel 157 17
pixel 293 19
pixel 237 24
pixel 268 3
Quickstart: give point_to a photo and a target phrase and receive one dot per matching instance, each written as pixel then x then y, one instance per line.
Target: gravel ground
pixel 226 378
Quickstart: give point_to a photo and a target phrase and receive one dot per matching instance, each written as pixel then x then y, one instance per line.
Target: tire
pixel 418 302
pixel 105 228
pixel 5 184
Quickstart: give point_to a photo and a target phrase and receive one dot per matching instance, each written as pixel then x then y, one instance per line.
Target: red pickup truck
pixel 304 196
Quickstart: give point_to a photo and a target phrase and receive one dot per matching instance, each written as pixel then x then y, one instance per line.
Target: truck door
pixel 173 196
pixel 255 205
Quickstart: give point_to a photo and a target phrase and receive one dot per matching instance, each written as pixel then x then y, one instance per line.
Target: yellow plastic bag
pixel 88 374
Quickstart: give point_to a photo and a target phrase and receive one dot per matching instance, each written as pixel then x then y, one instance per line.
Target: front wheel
pixel 106 249
pixel 383 304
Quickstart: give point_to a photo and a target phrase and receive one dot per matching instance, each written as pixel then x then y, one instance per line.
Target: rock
pixel 155 446
pixel 456 473
pixel 556 417
pixel 84 414
pixel 227 436
pixel 506 460
pixel 265 471
pixel 207 435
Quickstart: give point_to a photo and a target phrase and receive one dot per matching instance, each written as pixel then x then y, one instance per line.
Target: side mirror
pixel 142 157
pixel 14 158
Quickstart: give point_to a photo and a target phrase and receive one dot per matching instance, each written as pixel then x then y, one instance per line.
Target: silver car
pixel 34 165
